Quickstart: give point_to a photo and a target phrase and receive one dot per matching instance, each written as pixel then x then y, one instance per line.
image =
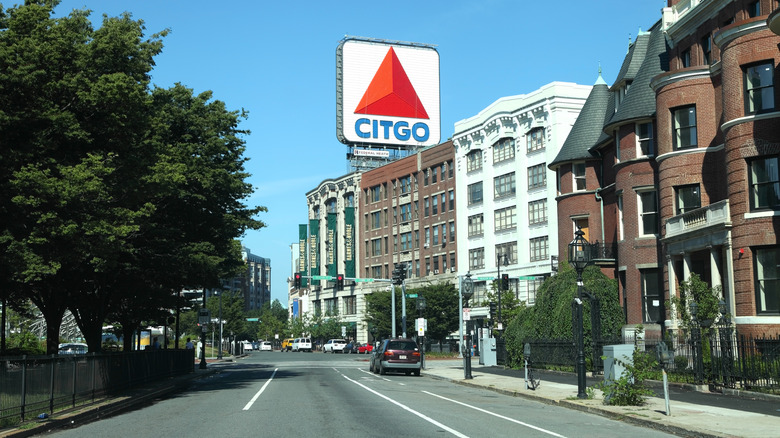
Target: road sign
pixel 411 295
pixel 466 314
pixel 486 278
pixel 364 280
pixel 253 319
pixel 203 316
pixel 531 278
pixel 321 277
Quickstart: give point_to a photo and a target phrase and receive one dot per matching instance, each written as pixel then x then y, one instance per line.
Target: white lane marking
pixel 374 375
pixel 403 406
pixel 497 415
pixel 254 399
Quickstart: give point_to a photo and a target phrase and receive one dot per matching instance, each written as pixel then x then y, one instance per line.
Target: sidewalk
pixel 686 419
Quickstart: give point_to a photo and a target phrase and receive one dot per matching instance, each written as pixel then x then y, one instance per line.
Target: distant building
pixel 506 212
pixel 255 284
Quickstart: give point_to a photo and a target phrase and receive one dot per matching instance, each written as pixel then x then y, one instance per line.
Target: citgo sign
pixel 387 93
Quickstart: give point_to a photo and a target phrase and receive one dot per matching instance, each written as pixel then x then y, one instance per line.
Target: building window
pixel 435 206
pixel 754 9
pixel 427 236
pixel 644 139
pixel 768 280
pixel 350 305
pixel 685 58
pixel 426 206
pixel 688 198
pixel 434 177
pixel 503 150
pixel 476 258
pixel 504 219
pixel 759 88
pixel 406 213
pixel 706 49
pixel 508 250
pixel 436 235
pixel 535 139
pixel 452 200
pixel 330 307
pixel 539 248
pixel 684 120
pixel 450 170
pixel 475 193
pixel 376 272
pixel 476 223
pixel 537 176
pixel 406 241
pixel 376 193
pixel 764 184
pixel 376 220
pixel 578 170
pixel 537 212
pixel 443 234
pixel 376 247
pixel 406 185
pixel 652 296
pixel 533 286
pixel 425 177
pixel 474 160
pixel 648 216
pixel 504 185
pixel 452 233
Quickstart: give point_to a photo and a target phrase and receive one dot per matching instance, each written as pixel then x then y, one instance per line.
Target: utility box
pixel 612 354
pixel 487 351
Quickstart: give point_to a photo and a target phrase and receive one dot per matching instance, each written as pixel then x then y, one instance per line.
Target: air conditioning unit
pixel 436 271
pixel 425 245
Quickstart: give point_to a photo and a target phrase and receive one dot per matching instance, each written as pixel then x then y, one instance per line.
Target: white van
pixel 247 345
pixel 301 344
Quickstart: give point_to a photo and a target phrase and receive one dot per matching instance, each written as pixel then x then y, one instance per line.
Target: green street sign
pixel 253 319
pixel 321 277
pixel 411 295
pixel 527 278
pixel 364 280
pixel 486 278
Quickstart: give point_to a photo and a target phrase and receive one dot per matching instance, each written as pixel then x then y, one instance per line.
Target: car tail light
pixel 388 353
pixel 416 353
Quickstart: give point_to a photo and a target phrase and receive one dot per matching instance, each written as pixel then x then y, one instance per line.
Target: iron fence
pixel 32 385
pixel 716 356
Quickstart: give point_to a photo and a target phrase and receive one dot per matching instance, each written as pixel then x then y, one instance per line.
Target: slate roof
pixel 588 126
pixel 639 101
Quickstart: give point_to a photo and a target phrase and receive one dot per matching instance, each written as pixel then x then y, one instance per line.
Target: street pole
pixel 403 308
pixel 219 352
pixel 203 338
pixel 581 384
pixel 392 305
pixel 460 315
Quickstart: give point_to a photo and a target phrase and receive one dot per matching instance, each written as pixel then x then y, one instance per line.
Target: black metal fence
pixel 717 356
pixel 32 385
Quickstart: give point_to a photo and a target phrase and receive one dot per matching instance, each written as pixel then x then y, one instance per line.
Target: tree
pixel 551 315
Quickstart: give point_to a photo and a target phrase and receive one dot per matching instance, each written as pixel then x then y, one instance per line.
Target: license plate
pixel 402 356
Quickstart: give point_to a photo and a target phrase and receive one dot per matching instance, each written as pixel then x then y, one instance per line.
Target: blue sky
pixel 277 61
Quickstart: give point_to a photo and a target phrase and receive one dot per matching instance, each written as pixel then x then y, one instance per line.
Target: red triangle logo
pixel 390 92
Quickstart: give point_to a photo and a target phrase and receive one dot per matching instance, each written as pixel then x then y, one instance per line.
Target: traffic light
pixel 504 282
pixel 492 310
pixel 399 274
pixel 297 280
pixel 339 281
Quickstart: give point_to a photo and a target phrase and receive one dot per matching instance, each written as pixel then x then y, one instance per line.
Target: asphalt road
pixel 331 395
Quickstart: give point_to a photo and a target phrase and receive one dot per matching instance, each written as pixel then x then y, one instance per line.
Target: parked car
pixel 266 346
pixel 72 348
pixel 247 346
pixel 398 354
pixel 334 346
pixel 350 348
pixel 287 344
pixel 365 348
pixel 302 344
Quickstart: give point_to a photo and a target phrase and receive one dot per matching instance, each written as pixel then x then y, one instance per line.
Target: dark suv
pixel 396 355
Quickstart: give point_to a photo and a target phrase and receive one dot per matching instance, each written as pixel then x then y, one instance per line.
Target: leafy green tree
pixel 551 315
pixel 707 299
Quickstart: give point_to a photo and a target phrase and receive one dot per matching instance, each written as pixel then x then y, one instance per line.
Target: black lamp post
pixel 467 290
pixel 500 284
pixel 580 257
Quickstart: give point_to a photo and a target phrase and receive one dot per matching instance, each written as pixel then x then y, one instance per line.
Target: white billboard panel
pixel 387 93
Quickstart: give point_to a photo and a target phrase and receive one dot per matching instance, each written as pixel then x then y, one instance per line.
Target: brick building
pixel 682 175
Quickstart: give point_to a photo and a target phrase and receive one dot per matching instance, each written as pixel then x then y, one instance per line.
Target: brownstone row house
pixel 674 168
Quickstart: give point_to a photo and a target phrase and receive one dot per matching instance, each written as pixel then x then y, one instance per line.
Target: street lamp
pixel 219 351
pixel 505 257
pixel 466 291
pixel 580 257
